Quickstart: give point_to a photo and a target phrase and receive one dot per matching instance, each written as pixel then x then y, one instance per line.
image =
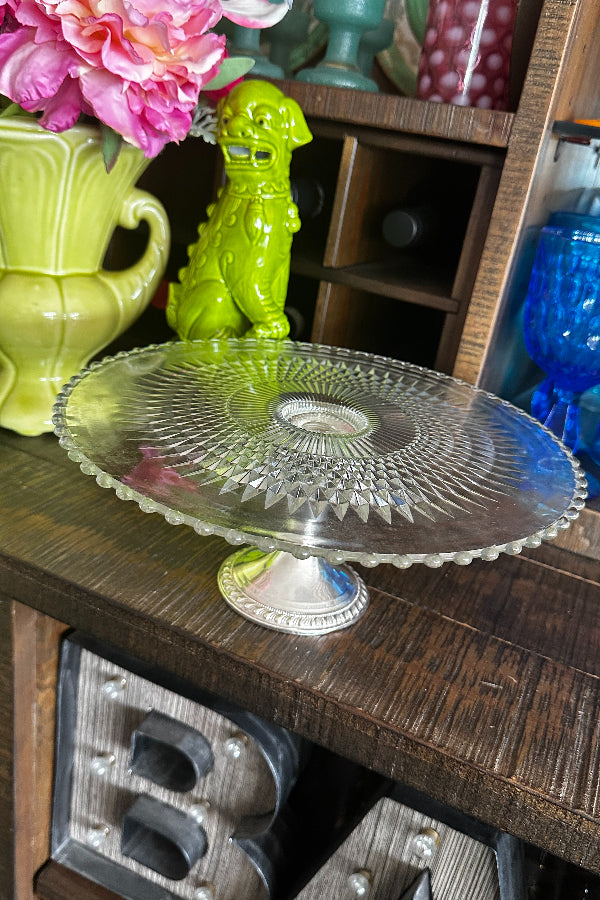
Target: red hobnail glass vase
pixel 466 52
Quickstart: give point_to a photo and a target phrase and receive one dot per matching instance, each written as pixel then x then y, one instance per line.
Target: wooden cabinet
pixel 458 682
pixel 409 304
pixel 455 682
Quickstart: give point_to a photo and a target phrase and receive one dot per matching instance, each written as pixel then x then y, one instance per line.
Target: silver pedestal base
pixel 300 596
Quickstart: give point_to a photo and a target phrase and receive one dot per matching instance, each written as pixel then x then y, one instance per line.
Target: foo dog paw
pixel 276 328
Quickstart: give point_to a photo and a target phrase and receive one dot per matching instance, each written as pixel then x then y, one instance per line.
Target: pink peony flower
pixel 136 65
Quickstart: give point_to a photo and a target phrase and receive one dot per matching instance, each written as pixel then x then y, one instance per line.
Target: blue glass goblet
pixel 562 322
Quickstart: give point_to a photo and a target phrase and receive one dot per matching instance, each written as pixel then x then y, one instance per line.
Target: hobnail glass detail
pixel 562 327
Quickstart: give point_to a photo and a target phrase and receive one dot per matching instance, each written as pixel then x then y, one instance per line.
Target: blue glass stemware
pixel 562 321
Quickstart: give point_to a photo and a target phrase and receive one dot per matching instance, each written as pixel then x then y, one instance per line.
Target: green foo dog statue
pixel 236 280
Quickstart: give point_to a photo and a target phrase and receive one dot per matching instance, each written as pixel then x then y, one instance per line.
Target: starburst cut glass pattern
pixel 319 451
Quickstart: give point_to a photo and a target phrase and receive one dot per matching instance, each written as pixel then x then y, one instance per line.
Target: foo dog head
pixel 258 128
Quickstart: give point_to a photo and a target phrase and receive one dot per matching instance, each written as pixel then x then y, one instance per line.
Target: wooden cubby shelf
pixel 491 128
pixel 362 173
pixel 397 280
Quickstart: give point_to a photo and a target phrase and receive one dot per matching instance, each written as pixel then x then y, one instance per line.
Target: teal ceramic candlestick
pixel 347 21
pixel 287 34
pixel 246 42
pixel 372 42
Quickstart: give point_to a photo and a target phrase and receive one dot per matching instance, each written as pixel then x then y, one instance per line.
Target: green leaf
pixel 111 146
pixel 416 11
pixel 13 109
pixel 232 68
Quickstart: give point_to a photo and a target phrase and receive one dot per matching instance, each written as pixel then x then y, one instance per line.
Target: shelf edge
pixel 397 113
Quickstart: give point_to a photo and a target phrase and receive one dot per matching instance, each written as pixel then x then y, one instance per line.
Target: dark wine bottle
pixel 410 226
pixel 308 195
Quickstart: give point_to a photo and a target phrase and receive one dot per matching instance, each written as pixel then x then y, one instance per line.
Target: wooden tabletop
pixel 479 685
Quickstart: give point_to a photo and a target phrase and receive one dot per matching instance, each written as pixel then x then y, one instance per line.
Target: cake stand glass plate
pixel 316 456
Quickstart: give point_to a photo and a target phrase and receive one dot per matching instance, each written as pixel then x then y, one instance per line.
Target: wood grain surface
pixel 35 661
pixel 55 882
pixel 443 120
pixel 478 685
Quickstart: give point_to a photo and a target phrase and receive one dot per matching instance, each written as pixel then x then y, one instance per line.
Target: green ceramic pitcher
pixel 58 306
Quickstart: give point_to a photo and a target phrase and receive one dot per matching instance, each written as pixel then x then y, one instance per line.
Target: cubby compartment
pixel 346 317
pixel 378 180
pixel 354 177
pixel 300 306
pixel 568 172
pixel 313 177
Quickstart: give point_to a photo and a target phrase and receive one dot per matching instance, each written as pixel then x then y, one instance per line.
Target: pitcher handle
pixel 135 286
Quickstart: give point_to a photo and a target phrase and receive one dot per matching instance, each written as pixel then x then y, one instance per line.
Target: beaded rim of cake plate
pixel 335 556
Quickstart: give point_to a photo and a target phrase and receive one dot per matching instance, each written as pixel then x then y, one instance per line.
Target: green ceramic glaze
pixel 236 280
pixel 58 306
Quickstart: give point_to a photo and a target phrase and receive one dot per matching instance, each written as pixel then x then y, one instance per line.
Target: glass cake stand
pixel 316 456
